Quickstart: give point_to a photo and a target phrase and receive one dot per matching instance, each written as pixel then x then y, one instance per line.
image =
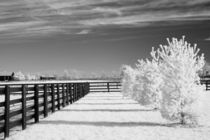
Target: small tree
pixel 138 85
pixel 66 75
pixel 30 77
pixel 181 91
pixel 128 79
pixel 19 76
pixel 148 80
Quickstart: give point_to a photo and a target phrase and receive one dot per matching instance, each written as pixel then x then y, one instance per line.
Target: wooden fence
pixel 23 103
pixel 113 86
pixel 207 84
pixel 205 79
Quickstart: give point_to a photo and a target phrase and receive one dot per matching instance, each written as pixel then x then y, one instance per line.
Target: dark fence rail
pixel 21 103
pixel 113 86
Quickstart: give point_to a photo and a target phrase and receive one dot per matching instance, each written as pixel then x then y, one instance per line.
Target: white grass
pixel 108 116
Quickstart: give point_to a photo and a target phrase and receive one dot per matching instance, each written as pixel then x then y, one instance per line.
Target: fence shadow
pixel 109 124
pixel 106 104
pixel 97 99
pixel 107 110
pixel 112 96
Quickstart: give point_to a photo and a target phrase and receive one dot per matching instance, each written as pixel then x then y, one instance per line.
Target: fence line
pixel 27 102
pixel 21 103
pixel 207 84
pixel 114 86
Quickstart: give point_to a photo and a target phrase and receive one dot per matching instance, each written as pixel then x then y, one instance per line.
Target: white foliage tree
pixel 66 75
pixel 181 91
pixel 147 85
pixel 138 85
pixel 19 76
pixel 128 79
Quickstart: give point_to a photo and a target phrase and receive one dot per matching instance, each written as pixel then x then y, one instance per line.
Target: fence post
pixel 70 93
pixel 7 111
pixel 23 107
pixel 58 97
pixel 77 88
pixel 63 95
pixel 36 103
pixel 67 93
pixel 74 90
pixel 88 87
pixel 45 101
pixel 80 95
pixel 53 97
pixel 108 87
pixel 79 91
pixel 83 90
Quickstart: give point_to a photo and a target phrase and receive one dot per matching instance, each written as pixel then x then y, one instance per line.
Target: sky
pixel 94 35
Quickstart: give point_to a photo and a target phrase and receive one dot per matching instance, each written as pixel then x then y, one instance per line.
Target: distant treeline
pixel 66 75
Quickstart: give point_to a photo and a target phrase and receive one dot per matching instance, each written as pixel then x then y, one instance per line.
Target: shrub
pixel 128 79
pixel 19 76
pixel 170 81
pixel 181 91
pixel 147 86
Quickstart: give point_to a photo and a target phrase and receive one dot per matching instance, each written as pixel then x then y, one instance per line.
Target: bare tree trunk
pixel 182 118
pixel 182 113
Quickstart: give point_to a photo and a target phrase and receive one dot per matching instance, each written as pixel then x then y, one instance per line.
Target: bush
pixel 181 90
pixel 148 79
pixel 128 80
pixel 19 76
pixel 169 81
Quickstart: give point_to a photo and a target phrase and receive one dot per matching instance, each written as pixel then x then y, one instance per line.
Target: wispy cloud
pixel 207 39
pixel 47 17
pixel 83 32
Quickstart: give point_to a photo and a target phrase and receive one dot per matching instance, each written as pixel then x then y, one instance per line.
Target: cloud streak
pixel 207 39
pixel 83 32
pixel 19 18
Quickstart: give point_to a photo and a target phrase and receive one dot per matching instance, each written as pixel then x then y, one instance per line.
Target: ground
pixel 109 116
